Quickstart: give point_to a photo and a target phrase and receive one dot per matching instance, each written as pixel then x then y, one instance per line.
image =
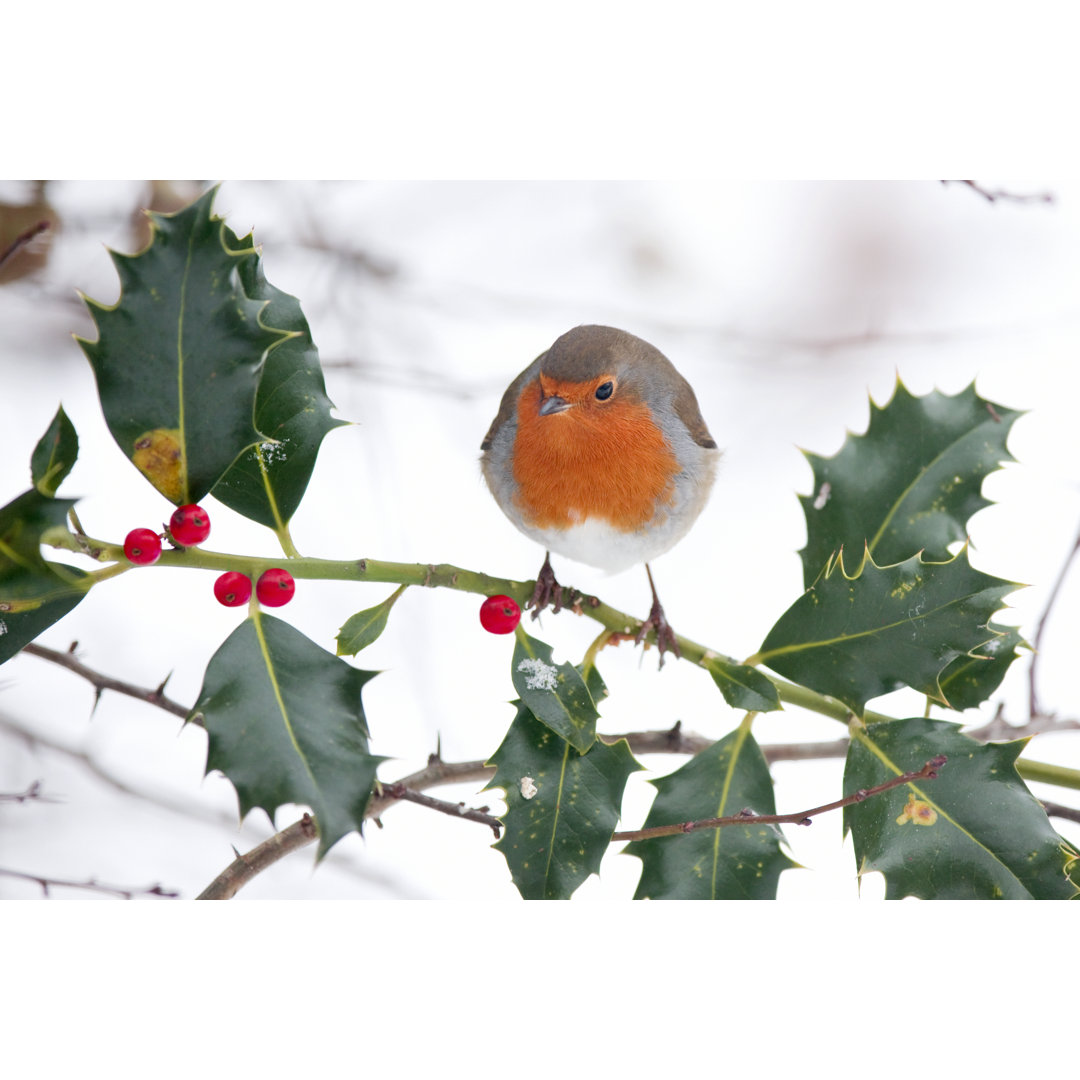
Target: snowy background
pixel 785 304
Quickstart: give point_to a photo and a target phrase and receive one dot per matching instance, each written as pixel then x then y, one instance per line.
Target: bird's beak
pixel 553 404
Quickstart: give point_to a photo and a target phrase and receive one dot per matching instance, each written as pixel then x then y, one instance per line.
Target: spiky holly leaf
pixel 738 862
pixel 910 483
pixel 361 629
pixel 975 832
pixel 561 806
pixel 286 724
pixel 267 482
pixel 969 680
pixel 34 593
pixel 742 686
pixel 857 637
pixel 54 455
pixel 179 355
pixel 556 693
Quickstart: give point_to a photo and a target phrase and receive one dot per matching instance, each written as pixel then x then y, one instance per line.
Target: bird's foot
pixel 547 591
pixel 657 622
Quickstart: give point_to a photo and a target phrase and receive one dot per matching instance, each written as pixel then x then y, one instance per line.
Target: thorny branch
pixel 92 885
pixel 104 682
pixel 747 817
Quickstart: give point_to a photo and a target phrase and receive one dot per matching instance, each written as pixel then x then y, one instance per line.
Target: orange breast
pixel 605 460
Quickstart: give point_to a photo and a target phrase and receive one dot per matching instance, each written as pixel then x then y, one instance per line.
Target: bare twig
pixel 22 240
pixel 997 727
pixel 104 682
pixel 85 760
pixel 1033 699
pixel 1004 196
pixel 746 817
pixel 93 886
pixel 459 809
pixel 1068 813
pixel 239 872
pixel 32 794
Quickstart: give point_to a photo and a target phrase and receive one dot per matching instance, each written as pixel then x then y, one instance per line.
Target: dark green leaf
pixel 969 680
pixel 975 832
pixel 267 482
pixel 54 454
pixel 561 806
pixel 361 629
pixel 556 694
pixel 742 686
pixel 34 593
pixel 286 725
pixel 884 627
pixel 178 357
pixel 910 483
pixel 738 862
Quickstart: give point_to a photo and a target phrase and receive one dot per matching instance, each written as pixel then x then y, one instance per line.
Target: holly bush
pixel 210 384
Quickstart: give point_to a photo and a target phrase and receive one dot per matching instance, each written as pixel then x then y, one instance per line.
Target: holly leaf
pixel 737 862
pixel 54 455
pixel 286 724
pixel 267 482
pixel 34 593
pixel 975 832
pixel 561 806
pixel 742 686
pixel 555 693
pixel 179 355
pixel 361 629
pixel 970 680
pixel 910 483
pixel 859 636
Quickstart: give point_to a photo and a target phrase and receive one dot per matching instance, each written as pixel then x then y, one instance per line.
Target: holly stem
pixel 447 576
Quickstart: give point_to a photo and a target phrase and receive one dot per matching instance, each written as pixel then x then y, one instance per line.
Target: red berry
pixel 142 546
pixel 233 588
pixel 499 615
pixel 275 587
pixel 189 525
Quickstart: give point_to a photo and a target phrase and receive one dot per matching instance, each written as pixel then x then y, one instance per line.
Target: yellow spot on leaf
pixel 917 812
pixel 158 457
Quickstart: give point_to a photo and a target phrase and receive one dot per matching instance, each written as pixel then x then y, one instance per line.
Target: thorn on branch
pixel 91 885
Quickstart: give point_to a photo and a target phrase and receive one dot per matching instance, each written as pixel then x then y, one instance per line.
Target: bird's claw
pixel 665 635
pixel 547 591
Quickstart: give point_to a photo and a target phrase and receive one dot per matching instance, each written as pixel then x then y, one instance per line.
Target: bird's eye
pixel 604 391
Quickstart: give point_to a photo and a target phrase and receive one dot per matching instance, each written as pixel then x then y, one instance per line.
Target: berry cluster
pixel 190 526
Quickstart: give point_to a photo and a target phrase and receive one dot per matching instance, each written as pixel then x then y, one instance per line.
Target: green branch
pixel 447 576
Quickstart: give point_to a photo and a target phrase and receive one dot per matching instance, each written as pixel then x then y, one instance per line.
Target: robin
pixel 599 452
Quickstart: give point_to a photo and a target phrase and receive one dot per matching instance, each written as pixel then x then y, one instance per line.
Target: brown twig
pixel 32 793
pixel 244 867
pixel 22 240
pixel 93 886
pixel 401 792
pixel 747 817
pixel 1004 196
pixel 1033 699
pixel 104 682
pixel 1068 813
